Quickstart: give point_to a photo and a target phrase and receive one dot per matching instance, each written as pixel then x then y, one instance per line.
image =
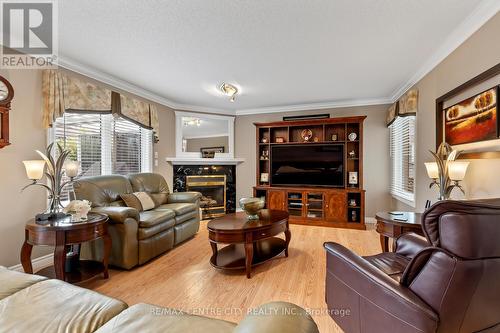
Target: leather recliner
pixel 137 236
pixel 450 281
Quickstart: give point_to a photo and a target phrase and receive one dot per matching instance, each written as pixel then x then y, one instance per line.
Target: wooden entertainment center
pixel 341 205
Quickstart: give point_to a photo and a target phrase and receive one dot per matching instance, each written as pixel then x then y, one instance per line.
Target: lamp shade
pixel 34 169
pixel 71 168
pixel 457 170
pixel 432 170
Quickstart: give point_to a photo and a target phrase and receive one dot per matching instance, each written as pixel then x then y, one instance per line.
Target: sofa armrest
pixel 181 197
pixel 118 214
pixel 353 283
pixel 410 244
pixel 277 317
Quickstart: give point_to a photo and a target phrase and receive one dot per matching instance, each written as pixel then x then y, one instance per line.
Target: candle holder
pixel 55 172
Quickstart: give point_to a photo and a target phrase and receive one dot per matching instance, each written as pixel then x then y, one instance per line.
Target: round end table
pixel 66 236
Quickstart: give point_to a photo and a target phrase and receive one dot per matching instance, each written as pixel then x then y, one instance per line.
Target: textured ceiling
pixel 278 52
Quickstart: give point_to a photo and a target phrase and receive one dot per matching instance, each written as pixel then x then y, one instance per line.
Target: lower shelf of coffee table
pixel 233 256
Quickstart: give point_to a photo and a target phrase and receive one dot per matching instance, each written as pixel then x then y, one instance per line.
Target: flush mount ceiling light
pixel 229 90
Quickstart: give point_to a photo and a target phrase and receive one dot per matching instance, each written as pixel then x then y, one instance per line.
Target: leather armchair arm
pixel 353 283
pixel 277 317
pixel 410 244
pixel 181 197
pixel 118 214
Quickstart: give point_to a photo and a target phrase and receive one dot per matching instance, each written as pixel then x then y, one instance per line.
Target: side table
pixel 393 225
pixel 63 234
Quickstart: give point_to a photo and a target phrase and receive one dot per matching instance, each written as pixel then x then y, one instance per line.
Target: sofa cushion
pixel 144 233
pixel 138 200
pixel 156 319
pixel 152 183
pixel 12 281
pixel 180 208
pixel 55 306
pixel 102 190
pixel 186 217
pixel 150 218
pixel 390 263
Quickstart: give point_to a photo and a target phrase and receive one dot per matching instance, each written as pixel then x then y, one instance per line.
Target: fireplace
pixel 217 183
pixel 213 191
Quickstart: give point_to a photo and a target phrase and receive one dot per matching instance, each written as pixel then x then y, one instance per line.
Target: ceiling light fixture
pixel 189 121
pixel 229 90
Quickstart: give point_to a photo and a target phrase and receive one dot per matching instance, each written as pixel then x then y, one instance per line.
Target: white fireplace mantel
pixel 204 161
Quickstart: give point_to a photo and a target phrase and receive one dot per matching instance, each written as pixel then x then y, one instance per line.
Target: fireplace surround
pixel 185 180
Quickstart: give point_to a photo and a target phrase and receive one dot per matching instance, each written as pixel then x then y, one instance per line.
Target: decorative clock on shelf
pixel 6 95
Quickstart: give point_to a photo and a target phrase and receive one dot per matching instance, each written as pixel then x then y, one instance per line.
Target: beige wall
pixel 26 135
pixel 376 152
pixel 195 144
pixel 463 64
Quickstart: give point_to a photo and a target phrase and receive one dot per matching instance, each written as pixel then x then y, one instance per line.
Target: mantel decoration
pixel 56 169
pixel 446 173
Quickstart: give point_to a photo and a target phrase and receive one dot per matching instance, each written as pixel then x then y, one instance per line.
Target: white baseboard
pixel 370 220
pixel 37 263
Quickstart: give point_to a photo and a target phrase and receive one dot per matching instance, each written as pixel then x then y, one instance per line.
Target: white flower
pixel 80 207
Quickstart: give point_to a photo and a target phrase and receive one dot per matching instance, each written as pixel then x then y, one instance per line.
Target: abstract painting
pixel 473 119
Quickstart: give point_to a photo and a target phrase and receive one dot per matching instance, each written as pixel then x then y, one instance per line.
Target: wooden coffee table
pixel 251 242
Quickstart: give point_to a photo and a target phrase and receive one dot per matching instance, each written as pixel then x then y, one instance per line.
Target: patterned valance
pixel 137 111
pixel 63 92
pixel 407 105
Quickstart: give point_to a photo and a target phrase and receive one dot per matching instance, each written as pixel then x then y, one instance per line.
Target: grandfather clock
pixel 6 95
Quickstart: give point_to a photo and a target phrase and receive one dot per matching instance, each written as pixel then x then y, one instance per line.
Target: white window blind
pixel 103 144
pixel 402 152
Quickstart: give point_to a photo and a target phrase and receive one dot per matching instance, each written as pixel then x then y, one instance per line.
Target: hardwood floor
pixel 184 279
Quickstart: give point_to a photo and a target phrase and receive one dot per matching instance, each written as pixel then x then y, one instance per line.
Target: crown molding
pixel 476 19
pixel 113 81
pixel 315 106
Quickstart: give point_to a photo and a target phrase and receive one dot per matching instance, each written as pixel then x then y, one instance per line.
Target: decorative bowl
pixel 252 207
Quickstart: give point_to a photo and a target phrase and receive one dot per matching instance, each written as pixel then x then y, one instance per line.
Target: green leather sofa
pixel 139 236
pixel 31 303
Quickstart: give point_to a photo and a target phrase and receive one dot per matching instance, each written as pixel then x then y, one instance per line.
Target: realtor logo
pixel 28 34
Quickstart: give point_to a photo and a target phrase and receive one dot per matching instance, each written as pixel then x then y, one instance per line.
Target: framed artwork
pixel 471 125
pixel 473 119
pixel 210 150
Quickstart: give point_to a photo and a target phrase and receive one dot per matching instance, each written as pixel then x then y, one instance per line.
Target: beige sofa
pixel 139 236
pixel 31 303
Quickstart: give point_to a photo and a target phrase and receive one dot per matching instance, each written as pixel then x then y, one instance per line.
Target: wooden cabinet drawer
pixel 257 235
pixel 79 236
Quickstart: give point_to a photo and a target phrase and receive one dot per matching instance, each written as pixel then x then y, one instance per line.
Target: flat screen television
pixel 308 164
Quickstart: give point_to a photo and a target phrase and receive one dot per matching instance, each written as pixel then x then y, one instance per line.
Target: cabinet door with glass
pixel 314 205
pixel 295 204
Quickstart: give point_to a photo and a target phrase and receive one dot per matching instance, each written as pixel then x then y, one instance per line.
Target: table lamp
pixel 446 173
pixel 56 169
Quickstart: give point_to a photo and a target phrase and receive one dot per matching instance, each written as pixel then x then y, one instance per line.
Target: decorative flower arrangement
pixel 78 209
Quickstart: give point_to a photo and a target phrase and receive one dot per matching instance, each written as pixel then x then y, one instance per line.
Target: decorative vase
pixel 252 207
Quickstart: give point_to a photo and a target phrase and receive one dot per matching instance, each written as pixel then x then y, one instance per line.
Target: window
pixel 104 144
pixel 402 151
